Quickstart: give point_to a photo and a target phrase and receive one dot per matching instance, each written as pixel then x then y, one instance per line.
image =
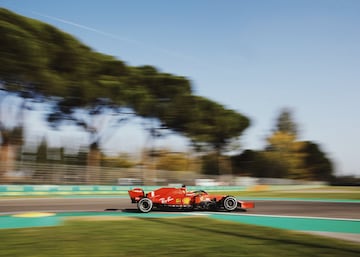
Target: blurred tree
pixel 304 161
pixel 286 124
pixel 52 63
pixel 68 69
pixel 121 161
pixel 281 143
pixel 41 155
pixel 12 108
pixel 210 164
pixel 213 127
pixel 295 159
pixel 259 164
pixel 317 165
pixel 213 124
pixel 168 160
pixel 345 181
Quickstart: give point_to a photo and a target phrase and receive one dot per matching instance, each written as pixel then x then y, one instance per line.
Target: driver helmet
pixel 183 188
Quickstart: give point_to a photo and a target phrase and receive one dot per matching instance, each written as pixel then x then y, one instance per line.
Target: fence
pixel 59 174
pixel 30 173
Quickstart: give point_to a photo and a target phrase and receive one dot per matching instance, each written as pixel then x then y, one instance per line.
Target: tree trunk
pixel 93 165
pixel 7 162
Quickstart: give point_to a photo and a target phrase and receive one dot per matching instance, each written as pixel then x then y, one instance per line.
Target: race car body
pixel 179 198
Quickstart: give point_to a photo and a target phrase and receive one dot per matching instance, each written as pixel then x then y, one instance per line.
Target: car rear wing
pixel 136 194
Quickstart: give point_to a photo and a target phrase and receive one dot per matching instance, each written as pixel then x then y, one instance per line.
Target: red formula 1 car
pixel 179 198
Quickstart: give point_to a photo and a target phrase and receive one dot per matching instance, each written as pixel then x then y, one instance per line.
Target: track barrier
pixel 43 190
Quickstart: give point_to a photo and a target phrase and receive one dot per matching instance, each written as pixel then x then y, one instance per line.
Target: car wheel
pixel 230 203
pixel 145 205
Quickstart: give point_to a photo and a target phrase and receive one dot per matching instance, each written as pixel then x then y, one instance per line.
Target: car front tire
pixel 230 203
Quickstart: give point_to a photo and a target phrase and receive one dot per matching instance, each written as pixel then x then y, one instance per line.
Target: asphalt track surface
pixel 342 210
pixel 284 208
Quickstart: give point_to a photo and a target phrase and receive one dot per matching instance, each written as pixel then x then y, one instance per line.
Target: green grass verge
pixel 167 237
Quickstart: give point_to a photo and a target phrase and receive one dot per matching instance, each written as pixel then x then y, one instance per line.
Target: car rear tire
pixel 230 203
pixel 145 205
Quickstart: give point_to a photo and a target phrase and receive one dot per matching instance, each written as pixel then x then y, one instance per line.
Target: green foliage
pixel 301 159
pixel 56 64
pixel 280 147
pixel 121 161
pixel 167 160
pixel 215 164
pixel 304 160
pixel 210 164
pixel 285 156
pixel 345 181
pixel 259 164
pixel 285 123
pixel 212 123
pixel 11 136
pixel 315 161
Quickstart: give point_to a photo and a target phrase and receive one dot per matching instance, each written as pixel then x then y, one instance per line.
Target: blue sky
pixel 255 57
